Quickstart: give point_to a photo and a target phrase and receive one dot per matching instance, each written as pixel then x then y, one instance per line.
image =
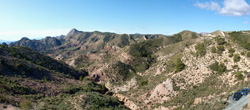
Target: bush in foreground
pixel 218 67
pixel 200 49
pixel 239 75
pixel 179 65
pixel 236 57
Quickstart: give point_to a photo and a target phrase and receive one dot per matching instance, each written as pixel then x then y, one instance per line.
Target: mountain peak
pixel 218 33
pixel 186 32
pixel 25 38
pixel 74 29
pixel 72 32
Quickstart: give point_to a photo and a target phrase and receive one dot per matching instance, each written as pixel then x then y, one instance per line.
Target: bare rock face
pixel 163 91
pixel 218 33
pixel 72 63
pixel 126 101
pixel 126 58
pixel 197 101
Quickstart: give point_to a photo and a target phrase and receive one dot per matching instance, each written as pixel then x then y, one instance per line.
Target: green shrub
pixel 231 50
pixel 26 105
pixel 143 52
pixel 214 66
pixel 123 70
pixel 239 75
pixel 96 101
pixel 141 67
pixel 247 46
pixel 85 79
pixel 179 65
pixel 175 38
pixel 145 49
pixel 214 49
pixel 200 49
pixel 157 105
pixel 240 38
pixel 143 83
pixel 227 44
pixel 236 57
pixel 231 55
pixel 220 68
pixel 248 54
pixel 3 99
pixel 220 49
pixel 72 89
pixel 235 66
pixel 242 53
pixel 80 78
pixel 13 53
pixel 220 41
pixel 10 87
pixel 207 42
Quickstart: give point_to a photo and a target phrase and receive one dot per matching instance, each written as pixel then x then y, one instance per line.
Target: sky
pixel 41 18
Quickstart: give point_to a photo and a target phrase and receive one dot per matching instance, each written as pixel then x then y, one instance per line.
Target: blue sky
pixel 40 18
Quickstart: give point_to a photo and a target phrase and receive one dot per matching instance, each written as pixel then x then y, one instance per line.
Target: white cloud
pixel 245 22
pixel 208 5
pixel 235 8
pixel 215 6
pixel 203 5
pixel 17 35
pixel 230 7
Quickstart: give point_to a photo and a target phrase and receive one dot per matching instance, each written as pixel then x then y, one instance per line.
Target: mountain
pixel 189 35
pixel 185 71
pixel 31 80
pixel 72 32
pixel 86 42
pixel 26 59
pixel 79 42
pixel 40 45
pixel 204 33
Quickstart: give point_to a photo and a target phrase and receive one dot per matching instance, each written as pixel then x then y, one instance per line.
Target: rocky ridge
pixel 142 70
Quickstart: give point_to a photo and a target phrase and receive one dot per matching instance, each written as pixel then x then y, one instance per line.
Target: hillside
pixel 31 80
pixel 79 42
pixel 195 81
pixel 182 71
pixel 43 45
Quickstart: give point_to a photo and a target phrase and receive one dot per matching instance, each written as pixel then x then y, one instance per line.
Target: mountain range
pixel 103 70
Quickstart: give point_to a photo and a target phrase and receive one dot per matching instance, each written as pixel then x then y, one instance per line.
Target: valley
pixel 103 70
